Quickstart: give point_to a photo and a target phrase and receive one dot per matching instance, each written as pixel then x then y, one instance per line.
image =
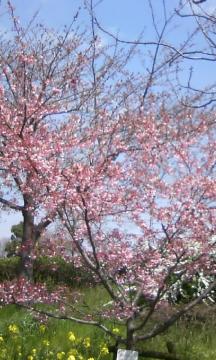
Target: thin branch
pixel 198 1
pixel 71 318
pixel 205 56
pixel 94 38
pixel 158 329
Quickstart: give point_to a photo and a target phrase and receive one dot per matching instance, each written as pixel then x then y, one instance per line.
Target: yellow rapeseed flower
pixel 60 355
pixel 73 352
pixel 91 358
pixel 42 328
pixel 71 336
pixel 34 351
pixel 71 357
pixel 1 339
pixel 46 342
pixel 115 331
pixel 30 357
pixel 86 342
pixel 13 329
pixel 104 350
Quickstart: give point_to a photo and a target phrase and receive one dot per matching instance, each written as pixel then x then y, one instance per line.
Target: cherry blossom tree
pixel 34 67
pixel 45 77
pixel 141 214
pixel 133 183
pixel 140 210
pixel 139 206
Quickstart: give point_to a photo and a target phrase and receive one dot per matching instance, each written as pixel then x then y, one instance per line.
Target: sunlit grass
pixel 23 337
pixel 193 339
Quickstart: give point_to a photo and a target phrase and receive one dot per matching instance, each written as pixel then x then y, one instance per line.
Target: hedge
pixel 53 270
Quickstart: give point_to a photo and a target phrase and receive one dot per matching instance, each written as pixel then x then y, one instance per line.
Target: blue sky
pixel 128 18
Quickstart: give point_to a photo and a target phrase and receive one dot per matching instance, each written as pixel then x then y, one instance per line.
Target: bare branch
pixel 198 1
pixel 160 328
pixel 11 205
pixel 71 318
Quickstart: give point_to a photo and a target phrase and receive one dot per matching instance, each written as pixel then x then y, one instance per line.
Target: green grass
pixel 193 341
pixel 48 343
pixel 194 338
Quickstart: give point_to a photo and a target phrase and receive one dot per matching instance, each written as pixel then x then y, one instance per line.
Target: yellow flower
pixel 34 351
pixel 1 339
pixel 30 357
pixel 42 328
pixel 104 350
pixel 73 352
pixel 60 355
pixel 46 342
pixel 91 358
pixel 115 331
pixel 71 357
pixel 86 342
pixel 71 336
pixel 13 328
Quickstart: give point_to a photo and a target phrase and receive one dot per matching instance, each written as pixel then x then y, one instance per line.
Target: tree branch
pixel 42 226
pixel 71 318
pixel 158 329
pixel 11 205
pixel 198 1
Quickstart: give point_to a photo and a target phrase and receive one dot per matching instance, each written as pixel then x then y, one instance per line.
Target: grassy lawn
pixel 25 338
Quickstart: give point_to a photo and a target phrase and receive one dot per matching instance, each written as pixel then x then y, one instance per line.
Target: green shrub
pixel 9 268
pixel 52 270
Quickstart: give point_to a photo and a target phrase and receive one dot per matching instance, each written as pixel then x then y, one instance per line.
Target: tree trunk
pixel 27 246
pixel 130 332
pixel 113 350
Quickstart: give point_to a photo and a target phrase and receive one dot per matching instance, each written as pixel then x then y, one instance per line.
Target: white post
pixel 127 355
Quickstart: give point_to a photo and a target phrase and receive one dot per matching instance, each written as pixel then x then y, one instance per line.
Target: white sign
pixel 127 355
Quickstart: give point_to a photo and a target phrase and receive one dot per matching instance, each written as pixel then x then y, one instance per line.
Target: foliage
pixel 8 268
pixel 189 289
pixel 52 270
pixel 12 248
pixel 17 231
pixel 57 270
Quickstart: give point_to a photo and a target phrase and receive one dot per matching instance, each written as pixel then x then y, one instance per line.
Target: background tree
pixel 12 248
pixel 45 84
